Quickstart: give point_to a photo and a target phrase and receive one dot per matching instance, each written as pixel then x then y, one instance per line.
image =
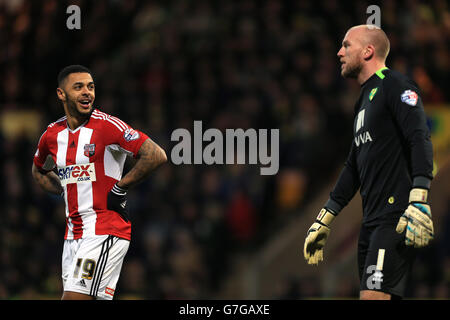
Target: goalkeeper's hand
pixel 417 220
pixel 117 201
pixel 317 236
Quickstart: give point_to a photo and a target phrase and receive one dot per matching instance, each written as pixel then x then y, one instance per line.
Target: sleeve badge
pixel 409 97
pixel 130 135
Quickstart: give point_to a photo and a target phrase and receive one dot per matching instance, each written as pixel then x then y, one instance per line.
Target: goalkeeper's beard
pixel 352 71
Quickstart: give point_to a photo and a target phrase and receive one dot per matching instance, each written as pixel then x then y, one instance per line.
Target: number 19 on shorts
pixel 88 268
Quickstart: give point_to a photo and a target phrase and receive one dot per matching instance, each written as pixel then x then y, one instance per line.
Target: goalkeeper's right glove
pixel 317 236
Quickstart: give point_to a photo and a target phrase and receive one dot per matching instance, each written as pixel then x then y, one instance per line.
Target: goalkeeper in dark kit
pixel 390 162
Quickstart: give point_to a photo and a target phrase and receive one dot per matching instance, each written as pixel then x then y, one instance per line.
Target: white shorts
pixel 92 265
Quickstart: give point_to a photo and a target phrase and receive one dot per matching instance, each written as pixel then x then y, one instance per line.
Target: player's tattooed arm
pixel 48 180
pixel 149 157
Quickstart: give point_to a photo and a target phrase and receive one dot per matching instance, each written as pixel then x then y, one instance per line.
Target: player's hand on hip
pixel 317 236
pixel 117 201
pixel 417 220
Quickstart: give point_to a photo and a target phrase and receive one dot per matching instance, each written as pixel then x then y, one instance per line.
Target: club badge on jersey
pixel 409 97
pixel 89 150
pixel 372 93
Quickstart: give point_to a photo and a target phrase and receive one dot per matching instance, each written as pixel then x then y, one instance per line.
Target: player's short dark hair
pixel 75 68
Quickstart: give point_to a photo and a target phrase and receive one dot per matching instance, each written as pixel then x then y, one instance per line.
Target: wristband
pixel 418 195
pixel 325 217
pixel 118 190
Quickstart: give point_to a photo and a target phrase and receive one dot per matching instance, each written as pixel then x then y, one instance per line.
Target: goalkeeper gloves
pixel 417 220
pixel 117 201
pixel 317 236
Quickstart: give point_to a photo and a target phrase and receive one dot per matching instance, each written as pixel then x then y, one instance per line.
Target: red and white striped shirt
pixel 89 161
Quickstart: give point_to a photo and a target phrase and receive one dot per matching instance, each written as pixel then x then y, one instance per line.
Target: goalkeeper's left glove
pixel 117 201
pixel 417 220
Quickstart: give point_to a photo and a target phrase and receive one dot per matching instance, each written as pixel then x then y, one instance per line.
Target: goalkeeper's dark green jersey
pixel 391 150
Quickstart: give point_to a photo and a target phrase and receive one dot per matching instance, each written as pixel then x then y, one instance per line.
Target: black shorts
pixel 393 271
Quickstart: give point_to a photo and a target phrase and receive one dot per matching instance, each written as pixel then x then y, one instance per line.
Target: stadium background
pixel 205 232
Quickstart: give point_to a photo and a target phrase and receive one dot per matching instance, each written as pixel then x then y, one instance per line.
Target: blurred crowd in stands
pixel 160 65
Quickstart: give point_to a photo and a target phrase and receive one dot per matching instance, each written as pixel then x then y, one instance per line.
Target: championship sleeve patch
pixel 409 97
pixel 130 135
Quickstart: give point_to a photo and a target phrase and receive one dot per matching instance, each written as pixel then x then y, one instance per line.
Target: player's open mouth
pixel 85 103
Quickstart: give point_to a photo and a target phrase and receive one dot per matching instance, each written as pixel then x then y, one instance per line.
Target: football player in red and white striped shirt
pixel 89 149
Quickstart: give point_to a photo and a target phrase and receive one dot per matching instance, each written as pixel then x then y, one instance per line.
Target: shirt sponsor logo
pixel 409 97
pixel 360 120
pixel 77 173
pixel 131 135
pixel 363 136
